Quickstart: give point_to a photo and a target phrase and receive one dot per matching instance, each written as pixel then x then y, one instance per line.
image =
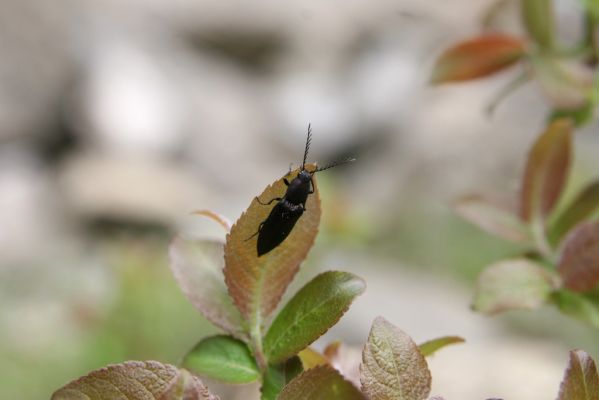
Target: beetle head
pixel 305 176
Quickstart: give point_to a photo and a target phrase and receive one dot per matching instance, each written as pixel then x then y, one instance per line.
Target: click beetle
pixel 289 208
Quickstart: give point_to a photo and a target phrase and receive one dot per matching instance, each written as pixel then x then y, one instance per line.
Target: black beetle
pixel 289 208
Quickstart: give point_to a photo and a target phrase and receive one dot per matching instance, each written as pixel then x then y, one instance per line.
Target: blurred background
pixel 118 118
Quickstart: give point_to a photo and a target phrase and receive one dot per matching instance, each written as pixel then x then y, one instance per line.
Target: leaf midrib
pixel 297 321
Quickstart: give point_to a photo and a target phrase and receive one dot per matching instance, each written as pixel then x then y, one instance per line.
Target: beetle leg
pixel 257 232
pixel 265 204
pixel 311 185
pixel 286 181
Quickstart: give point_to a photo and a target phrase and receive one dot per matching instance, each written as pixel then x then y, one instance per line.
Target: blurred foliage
pixel 560 264
pixel 148 318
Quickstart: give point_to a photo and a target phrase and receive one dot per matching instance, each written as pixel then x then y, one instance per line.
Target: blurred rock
pixel 36 66
pixel 127 104
pixel 29 207
pixel 128 189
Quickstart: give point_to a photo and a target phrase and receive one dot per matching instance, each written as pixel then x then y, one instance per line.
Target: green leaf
pixel 277 376
pixel 198 269
pixel 581 116
pixel 310 313
pixel 222 358
pixel 512 284
pixel 136 380
pixel 392 366
pixel 546 171
pixel 584 307
pixel 581 381
pixel 578 265
pixel 477 57
pixel 430 347
pixel 320 383
pixel 493 218
pixel 583 206
pixel 539 22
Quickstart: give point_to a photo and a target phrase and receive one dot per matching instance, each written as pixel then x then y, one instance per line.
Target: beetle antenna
pixel 335 164
pixel 308 140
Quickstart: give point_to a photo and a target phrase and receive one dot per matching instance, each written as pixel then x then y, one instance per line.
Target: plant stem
pixel 505 91
pixel 540 239
pixel 590 41
pixel 256 340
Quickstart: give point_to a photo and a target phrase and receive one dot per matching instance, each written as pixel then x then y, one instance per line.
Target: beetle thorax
pixel 299 188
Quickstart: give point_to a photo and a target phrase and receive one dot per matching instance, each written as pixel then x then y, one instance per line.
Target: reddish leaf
pixel 256 284
pixel 579 261
pixel 346 360
pixel 188 387
pixel 136 380
pixel 393 367
pixel 197 267
pixel 320 383
pixel 477 58
pixel 546 170
pixel 581 381
pixel 492 217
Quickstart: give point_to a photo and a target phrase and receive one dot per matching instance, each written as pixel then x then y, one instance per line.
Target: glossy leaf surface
pixel 310 313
